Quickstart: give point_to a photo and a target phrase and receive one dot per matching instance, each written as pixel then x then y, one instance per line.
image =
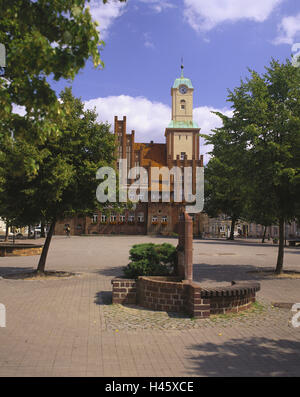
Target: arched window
pixel 182 104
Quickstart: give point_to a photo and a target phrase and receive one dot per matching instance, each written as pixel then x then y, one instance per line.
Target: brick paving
pixel 66 327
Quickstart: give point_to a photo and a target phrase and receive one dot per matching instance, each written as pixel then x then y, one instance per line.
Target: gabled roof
pixel 154 152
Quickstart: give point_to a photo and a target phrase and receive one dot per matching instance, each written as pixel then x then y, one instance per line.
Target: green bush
pixel 151 260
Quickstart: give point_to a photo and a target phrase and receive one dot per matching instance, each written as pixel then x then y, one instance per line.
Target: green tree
pixel 224 190
pixel 267 117
pixel 65 182
pixel 42 39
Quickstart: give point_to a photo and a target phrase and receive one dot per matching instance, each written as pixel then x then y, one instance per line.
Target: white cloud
pixel 204 15
pixel 289 30
pixel 105 14
pixel 158 5
pixel 208 121
pixel 149 119
pixel 148 41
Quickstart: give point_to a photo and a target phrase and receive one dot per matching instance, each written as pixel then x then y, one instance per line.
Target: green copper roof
pixel 183 124
pixel 182 80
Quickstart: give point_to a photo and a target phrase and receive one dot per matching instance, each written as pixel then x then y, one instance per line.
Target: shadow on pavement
pixel 235 242
pixel 226 273
pixel 246 357
pixel 103 298
pixel 13 269
pixel 111 271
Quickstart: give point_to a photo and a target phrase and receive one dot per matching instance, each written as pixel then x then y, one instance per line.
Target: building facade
pixel 181 149
pixel 220 227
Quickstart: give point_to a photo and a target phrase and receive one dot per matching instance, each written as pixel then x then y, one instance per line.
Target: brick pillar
pixel 185 247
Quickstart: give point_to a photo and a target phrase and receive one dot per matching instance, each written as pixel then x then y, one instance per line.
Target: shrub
pixel 151 260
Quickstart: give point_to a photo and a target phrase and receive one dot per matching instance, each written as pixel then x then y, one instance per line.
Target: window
pixel 182 154
pixel 164 219
pixel 182 104
pixel 154 219
pixel 122 218
pixel 103 218
pixel 131 196
pixel 140 217
pixel 113 218
pixel 131 218
pixel 94 218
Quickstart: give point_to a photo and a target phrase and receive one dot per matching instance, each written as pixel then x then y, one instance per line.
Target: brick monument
pixel 179 293
pixel 185 248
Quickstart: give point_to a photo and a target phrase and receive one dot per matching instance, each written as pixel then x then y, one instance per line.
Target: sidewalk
pixel 64 327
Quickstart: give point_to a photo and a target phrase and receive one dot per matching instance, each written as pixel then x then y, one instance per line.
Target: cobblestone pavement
pixel 66 327
pixel 130 317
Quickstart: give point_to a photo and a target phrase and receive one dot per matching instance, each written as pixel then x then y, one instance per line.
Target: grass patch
pixel 256 308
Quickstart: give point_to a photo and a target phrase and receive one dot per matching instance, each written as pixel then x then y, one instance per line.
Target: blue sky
pixel 145 40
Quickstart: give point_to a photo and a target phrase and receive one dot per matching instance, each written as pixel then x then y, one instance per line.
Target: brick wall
pixel 232 299
pixel 161 293
pixel 197 306
pixel 171 295
pixel 124 291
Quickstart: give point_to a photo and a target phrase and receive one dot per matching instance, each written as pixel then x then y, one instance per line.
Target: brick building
pixel 181 149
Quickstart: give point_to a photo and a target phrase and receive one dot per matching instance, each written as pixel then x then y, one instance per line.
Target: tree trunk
pixel 43 229
pixel 29 231
pixel 6 232
pixel 264 235
pixel 233 221
pixel 42 261
pixel 279 265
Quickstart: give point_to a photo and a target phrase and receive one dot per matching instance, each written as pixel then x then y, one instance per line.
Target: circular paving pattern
pixel 131 317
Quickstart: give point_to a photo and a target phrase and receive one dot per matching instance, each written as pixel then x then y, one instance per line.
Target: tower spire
pixel 182 67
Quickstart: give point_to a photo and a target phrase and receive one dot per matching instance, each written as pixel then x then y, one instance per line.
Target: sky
pixel 146 39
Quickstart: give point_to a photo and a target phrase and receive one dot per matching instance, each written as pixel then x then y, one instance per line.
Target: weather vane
pixel 182 67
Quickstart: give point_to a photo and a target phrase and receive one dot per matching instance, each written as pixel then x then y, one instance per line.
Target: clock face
pixel 183 89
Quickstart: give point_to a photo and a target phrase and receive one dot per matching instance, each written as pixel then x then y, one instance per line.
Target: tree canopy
pixel 265 128
pixel 65 182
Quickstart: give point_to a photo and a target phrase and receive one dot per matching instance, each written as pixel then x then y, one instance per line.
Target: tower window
pixel 182 104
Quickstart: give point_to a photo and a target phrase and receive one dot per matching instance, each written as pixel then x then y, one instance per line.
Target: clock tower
pixel 182 134
pixel 182 100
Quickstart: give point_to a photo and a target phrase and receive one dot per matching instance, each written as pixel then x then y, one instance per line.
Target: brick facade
pixel 146 155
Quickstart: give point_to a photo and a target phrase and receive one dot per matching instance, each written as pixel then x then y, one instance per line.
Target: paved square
pixel 65 327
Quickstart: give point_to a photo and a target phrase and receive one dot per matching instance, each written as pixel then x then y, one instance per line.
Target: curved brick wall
pixel 162 293
pixel 20 249
pixel 237 297
pixel 124 291
pixel 172 295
